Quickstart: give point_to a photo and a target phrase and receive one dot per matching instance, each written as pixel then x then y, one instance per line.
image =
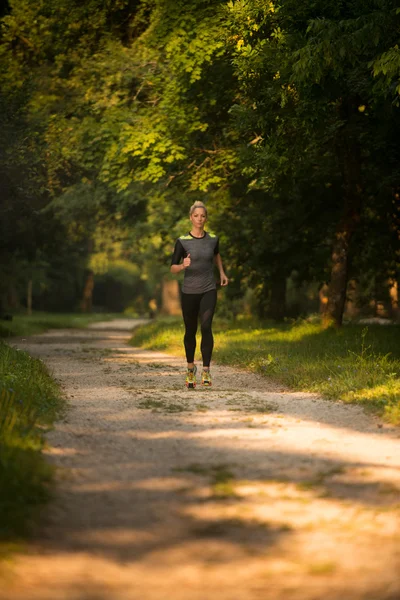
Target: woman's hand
pixel 186 262
pixel 224 279
pixel 222 276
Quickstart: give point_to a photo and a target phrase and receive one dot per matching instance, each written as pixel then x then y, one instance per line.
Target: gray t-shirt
pixel 199 277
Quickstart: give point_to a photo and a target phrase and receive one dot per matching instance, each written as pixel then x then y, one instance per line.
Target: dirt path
pixel 239 492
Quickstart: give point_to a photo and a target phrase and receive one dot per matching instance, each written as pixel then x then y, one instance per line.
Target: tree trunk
pixel 323 299
pixel 277 305
pixel 394 310
pixel 350 161
pixel 351 309
pixel 170 303
pixel 12 297
pixel 87 298
pixel 339 273
pixel 29 297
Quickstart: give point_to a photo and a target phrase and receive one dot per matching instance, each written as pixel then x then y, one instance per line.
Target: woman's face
pixel 198 217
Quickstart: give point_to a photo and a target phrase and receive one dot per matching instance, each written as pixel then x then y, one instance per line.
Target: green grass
pixel 221 479
pixel 30 401
pixel 355 364
pixel 322 568
pixel 163 406
pixel 24 325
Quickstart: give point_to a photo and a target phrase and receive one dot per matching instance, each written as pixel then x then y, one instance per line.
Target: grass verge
pixel 355 364
pixel 30 401
pixel 24 325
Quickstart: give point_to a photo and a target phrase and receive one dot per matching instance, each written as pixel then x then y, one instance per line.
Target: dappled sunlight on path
pixel 240 492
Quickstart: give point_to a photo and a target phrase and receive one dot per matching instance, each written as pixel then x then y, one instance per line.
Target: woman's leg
pixel 190 312
pixel 207 309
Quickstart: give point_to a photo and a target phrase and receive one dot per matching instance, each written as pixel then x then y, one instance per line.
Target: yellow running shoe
pixel 190 381
pixel 206 379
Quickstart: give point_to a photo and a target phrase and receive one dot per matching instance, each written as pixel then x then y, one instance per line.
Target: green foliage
pixel 29 402
pixel 388 66
pixel 281 115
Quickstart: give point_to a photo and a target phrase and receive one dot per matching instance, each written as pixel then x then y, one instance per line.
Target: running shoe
pixel 206 379
pixel 191 378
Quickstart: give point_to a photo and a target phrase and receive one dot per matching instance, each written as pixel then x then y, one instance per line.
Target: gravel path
pixel 240 492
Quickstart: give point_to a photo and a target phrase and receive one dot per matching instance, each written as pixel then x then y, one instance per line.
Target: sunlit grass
pixel 354 364
pixel 22 325
pixel 29 403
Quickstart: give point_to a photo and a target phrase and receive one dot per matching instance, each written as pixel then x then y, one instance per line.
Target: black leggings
pixel 193 307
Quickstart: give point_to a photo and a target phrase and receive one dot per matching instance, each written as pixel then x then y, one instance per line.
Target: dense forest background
pixel 283 117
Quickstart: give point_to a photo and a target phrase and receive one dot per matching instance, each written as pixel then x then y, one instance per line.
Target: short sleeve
pixel 179 253
pixel 216 249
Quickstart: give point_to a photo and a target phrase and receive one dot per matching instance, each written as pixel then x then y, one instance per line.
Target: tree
pixel 282 115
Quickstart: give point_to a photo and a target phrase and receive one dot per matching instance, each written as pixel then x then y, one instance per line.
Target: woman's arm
pixel 184 265
pixel 175 269
pixel 179 253
pixel 223 277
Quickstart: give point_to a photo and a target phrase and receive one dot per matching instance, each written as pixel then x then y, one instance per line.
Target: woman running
pixel 198 251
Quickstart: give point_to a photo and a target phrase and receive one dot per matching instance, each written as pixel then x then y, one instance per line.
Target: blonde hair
pixel 197 204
